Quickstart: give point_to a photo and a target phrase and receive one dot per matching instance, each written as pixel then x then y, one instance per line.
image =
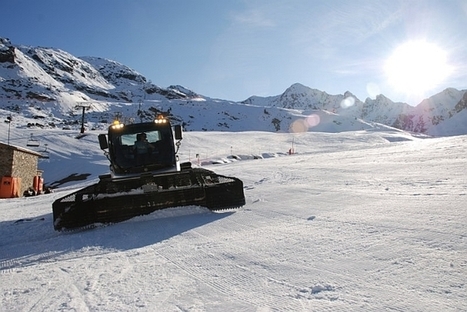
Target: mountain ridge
pixel 55 82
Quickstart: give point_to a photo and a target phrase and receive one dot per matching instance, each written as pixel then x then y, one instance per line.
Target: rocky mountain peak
pixel 54 81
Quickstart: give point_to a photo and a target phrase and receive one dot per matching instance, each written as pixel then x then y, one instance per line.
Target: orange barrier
pixel 10 187
pixel 38 184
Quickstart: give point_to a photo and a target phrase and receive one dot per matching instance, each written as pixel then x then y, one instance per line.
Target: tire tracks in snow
pixel 318 281
pixel 11 265
pixel 224 263
pixel 220 272
pixel 61 286
pixel 55 290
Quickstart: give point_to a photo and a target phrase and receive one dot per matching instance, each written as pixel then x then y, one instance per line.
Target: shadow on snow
pixel 27 242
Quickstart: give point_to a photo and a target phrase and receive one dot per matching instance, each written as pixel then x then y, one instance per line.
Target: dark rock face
pixel 7 51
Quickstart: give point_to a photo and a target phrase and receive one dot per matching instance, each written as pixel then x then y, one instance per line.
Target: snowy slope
pixel 446 107
pixel 443 114
pixel 362 220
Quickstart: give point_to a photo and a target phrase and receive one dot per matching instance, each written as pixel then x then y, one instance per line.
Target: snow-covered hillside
pixel 354 221
pixel 438 115
pixel 58 84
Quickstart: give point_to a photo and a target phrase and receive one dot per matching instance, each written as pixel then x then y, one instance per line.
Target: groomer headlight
pixel 116 125
pixel 160 120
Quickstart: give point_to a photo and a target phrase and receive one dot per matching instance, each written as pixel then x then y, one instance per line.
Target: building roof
pixel 20 149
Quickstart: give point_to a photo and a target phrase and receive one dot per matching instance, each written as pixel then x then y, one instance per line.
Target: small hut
pixel 18 171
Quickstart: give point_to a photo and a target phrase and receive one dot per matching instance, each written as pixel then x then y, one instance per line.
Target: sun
pixel 416 67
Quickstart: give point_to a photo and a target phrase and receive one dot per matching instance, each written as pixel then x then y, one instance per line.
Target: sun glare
pixel 416 67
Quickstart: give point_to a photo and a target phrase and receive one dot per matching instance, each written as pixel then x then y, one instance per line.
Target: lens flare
pixel 348 102
pixel 312 120
pixel 302 125
pixel 298 126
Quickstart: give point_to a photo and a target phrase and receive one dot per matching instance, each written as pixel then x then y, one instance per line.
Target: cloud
pixel 254 17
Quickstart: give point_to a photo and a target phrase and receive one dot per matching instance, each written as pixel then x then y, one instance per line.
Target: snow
pixel 59 83
pixel 354 221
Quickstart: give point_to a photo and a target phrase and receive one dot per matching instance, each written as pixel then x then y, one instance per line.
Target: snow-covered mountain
pixel 444 113
pixel 48 87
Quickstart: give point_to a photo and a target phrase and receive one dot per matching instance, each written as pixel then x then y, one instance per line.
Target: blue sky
pixel 233 49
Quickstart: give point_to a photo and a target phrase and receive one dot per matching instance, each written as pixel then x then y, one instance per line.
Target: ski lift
pixel 45 154
pixel 32 142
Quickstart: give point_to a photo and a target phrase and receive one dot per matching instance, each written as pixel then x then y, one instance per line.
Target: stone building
pixel 20 163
